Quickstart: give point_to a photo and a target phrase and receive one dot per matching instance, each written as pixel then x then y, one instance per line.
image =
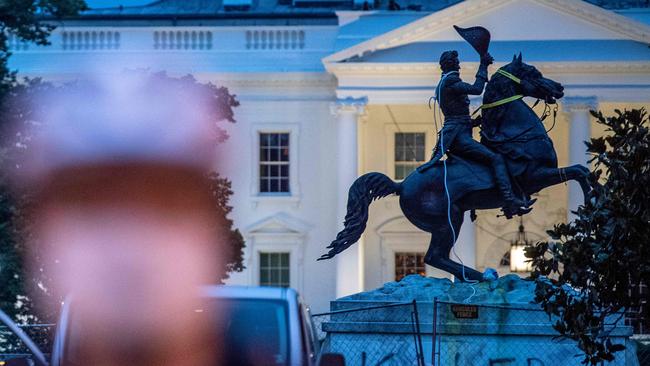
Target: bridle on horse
pixel 547 109
pixel 504 100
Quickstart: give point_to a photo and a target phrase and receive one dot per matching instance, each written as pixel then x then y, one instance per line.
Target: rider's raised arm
pixel 462 87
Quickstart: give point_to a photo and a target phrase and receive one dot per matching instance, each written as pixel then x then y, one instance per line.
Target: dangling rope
pixel 437 98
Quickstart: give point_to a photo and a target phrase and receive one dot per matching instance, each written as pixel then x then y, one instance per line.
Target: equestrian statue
pixel 514 159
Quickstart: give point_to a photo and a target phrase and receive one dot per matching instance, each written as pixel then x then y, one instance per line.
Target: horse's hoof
pixel 490 274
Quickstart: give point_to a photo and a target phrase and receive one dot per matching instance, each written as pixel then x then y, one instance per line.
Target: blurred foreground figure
pixel 124 209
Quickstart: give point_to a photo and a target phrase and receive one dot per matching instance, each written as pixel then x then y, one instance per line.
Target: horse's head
pixel 532 82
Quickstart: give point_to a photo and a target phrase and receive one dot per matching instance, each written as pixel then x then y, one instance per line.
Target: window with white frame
pixel 409 152
pixel 274 163
pixel 408 263
pixel 275 269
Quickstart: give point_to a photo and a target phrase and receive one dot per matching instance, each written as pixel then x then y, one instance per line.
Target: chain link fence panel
pixel 379 335
pixel 11 346
pixel 495 335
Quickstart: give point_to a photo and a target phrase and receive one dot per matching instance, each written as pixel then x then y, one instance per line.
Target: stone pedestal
pixel 484 324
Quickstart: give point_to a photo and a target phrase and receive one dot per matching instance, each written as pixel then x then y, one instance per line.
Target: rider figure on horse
pixel 456 134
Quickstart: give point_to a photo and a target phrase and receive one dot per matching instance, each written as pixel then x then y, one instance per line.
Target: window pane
pixel 284 185
pixel 275 155
pixel 275 277
pixel 407 169
pixel 274 269
pixel 264 185
pixel 409 154
pixel 419 139
pixel 399 171
pixel 284 277
pixel 399 139
pixel 409 263
pixel 274 140
pixel 284 154
pixel 264 277
pixel 274 185
pixel 399 153
pixel 419 156
pixel 409 147
pixel 274 162
pixel 284 139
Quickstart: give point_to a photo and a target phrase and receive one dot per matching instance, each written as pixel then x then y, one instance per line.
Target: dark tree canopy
pixel 20 19
pixel 24 19
pixel 585 277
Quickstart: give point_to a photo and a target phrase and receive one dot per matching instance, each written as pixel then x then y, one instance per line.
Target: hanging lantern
pixel 518 260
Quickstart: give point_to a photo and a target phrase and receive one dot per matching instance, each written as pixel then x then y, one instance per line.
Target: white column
pixel 579 132
pixel 349 264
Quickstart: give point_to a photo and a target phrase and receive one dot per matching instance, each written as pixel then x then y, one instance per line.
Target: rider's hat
pixel 477 37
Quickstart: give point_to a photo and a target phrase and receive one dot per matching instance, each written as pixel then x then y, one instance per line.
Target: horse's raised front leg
pixel 547 177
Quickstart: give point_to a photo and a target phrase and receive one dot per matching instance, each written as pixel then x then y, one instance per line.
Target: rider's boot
pixel 513 205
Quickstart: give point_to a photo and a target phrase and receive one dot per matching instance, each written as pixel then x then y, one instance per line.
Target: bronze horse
pixel 513 129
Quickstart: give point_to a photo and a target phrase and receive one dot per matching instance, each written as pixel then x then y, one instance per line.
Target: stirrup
pixel 510 212
pixel 529 202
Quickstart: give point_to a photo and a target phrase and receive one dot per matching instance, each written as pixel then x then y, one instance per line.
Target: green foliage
pixel 231 241
pixel 17 113
pixel 585 276
pixel 22 19
pixel 27 19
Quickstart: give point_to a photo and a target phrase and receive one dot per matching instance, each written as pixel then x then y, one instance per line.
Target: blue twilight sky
pixel 113 3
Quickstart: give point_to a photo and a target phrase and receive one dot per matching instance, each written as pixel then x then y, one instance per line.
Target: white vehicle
pixel 259 326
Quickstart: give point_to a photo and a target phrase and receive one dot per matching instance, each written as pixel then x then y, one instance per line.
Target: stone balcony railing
pixel 275 39
pixel 15 44
pixel 182 40
pixel 90 40
pixel 177 39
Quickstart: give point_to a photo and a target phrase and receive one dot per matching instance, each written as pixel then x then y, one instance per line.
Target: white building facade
pixel 328 93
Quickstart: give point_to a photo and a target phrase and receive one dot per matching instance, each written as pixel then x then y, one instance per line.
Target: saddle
pixel 463 176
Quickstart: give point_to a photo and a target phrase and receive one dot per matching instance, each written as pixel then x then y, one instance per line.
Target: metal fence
pixel 643 349
pixel 464 334
pixel 445 333
pixel 391 334
pixel 11 346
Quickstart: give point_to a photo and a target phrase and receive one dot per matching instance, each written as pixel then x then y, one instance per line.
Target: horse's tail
pixel 364 190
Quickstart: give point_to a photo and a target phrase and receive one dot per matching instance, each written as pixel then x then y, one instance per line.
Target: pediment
pixel 509 20
pixel 278 224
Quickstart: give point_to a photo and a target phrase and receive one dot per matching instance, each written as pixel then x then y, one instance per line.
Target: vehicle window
pixel 254 331
pixel 313 337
